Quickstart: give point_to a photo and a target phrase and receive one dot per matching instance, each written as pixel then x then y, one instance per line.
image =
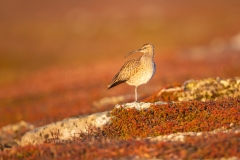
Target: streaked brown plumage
pixel 136 71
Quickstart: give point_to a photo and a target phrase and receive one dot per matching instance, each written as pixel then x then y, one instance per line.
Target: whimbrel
pixel 137 71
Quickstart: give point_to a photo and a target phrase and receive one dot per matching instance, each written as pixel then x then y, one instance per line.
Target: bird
pixel 138 71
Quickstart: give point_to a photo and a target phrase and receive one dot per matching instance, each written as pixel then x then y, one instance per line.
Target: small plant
pixel 193 116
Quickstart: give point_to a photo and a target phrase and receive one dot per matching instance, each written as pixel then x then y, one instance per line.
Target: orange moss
pixel 191 116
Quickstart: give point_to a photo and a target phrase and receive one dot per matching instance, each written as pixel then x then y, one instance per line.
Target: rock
pixel 139 105
pixel 181 136
pixel 65 129
pixel 205 89
pixel 10 135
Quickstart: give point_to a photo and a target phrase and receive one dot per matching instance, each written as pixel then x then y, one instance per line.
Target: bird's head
pixel 146 48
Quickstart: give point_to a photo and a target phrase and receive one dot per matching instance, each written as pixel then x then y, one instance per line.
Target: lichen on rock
pixel 10 135
pixel 204 89
pixel 65 129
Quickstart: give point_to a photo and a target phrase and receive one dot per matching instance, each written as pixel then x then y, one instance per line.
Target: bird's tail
pixel 113 84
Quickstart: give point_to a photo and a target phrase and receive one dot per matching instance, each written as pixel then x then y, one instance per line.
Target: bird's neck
pixel 148 55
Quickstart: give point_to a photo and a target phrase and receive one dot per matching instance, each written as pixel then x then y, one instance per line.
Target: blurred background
pixel 39 34
pixel 57 55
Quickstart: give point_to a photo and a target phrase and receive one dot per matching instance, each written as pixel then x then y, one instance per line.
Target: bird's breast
pixel 144 73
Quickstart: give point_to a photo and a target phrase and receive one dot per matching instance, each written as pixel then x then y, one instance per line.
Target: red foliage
pixel 44 96
pixel 217 146
pixel 191 116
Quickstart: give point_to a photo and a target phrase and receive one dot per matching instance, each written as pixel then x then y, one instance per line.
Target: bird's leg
pixel 136 94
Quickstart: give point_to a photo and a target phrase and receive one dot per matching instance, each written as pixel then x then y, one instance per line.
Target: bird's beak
pixel 138 50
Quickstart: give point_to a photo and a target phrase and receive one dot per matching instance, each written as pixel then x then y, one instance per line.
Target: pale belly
pixel 144 74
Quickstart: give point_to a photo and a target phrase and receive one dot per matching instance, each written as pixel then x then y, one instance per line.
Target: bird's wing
pixel 127 70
